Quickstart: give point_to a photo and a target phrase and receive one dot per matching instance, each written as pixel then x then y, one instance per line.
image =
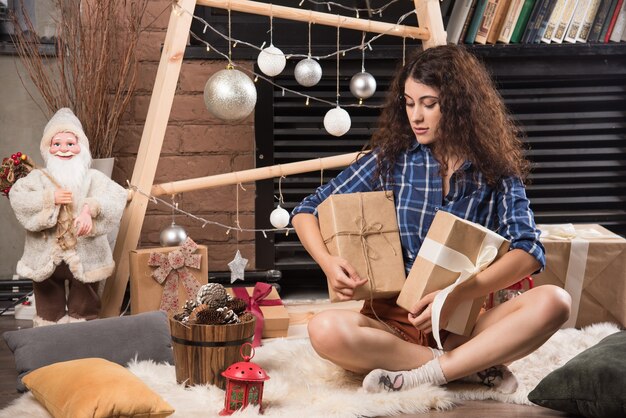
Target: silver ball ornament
pixel 230 95
pixel 308 72
pixel 363 85
pixel 173 235
pixel 279 218
pixel 337 121
pixel 271 61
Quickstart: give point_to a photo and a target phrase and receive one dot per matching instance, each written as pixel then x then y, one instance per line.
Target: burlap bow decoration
pixel 171 268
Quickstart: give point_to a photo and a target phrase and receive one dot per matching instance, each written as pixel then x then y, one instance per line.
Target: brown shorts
pixel 397 318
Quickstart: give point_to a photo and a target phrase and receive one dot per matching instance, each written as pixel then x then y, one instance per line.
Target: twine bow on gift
pixel 455 261
pixel 172 268
pixel 253 305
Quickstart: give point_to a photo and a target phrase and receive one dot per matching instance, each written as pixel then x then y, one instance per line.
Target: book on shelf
pixel 590 16
pixel 543 16
pixel 510 19
pixel 445 9
pixel 498 20
pixel 460 10
pixel 608 27
pixel 475 22
pixel 468 19
pixel 577 21
pixel 566 18
pixel 522 21
pixel 553 20
pixel 532 26
pixel 486 21
pixel 620 25
pixel 600 20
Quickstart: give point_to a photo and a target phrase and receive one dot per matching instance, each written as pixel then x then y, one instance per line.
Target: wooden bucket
pixel 203 352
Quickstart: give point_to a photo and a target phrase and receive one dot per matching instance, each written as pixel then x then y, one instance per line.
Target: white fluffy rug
pixel 302 384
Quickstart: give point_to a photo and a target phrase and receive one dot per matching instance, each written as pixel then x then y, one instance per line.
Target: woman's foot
pixel 380 380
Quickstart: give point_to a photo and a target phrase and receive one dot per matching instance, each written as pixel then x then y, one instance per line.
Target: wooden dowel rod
pixel 320 18
pixel 262 173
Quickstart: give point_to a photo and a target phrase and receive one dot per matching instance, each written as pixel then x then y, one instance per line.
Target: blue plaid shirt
pixel 418 195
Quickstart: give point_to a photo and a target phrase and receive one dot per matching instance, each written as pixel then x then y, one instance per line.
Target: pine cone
pixel 194 314
pixel 238 305
pixel 246 317
pixel 190 305
pixel 212 294
pixel 228 316
pixel 209 317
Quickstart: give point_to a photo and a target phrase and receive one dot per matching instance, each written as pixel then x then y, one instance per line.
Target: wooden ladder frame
pixel 431 33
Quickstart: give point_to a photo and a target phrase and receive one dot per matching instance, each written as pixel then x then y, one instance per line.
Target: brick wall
pixel 196 144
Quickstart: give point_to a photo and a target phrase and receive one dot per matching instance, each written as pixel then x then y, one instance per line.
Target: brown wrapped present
pixel 453 251
pixel 264 303
pixel 362 228
pixel 165 277
pixel 588 261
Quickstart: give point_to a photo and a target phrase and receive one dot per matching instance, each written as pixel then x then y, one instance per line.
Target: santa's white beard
pixel 70 174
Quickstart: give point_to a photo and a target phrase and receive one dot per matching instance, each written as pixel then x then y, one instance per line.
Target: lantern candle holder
pixel 244 384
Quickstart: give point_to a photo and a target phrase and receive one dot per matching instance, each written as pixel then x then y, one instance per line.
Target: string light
pixel 205 222
pixel 377 11
pixel 257 76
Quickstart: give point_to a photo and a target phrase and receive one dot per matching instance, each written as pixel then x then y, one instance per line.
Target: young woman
pixel 445 142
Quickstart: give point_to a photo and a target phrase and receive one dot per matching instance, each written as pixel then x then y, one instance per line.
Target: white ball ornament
pixel 337 121
pixel 230 95
pixel 308 72
pixel 271 61
pixel 363 85
pixel 279 218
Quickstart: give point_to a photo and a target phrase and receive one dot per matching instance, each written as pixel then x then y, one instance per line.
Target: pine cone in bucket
pixel 213 295
pixel 238 305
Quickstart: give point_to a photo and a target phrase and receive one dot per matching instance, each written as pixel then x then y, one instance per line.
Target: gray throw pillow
pixel 119 339
pixel 592 384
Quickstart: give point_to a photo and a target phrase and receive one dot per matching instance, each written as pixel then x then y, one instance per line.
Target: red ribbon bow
pixel 254 303
pixel 172 268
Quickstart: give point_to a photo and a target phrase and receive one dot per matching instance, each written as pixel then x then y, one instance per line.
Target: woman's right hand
pixel 62 197
pixel 342 277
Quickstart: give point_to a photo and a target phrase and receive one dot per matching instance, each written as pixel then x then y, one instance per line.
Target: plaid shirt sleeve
pixel 358 177
pixel 517 223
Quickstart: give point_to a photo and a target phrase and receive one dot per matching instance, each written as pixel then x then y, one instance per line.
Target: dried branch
pixel 95 68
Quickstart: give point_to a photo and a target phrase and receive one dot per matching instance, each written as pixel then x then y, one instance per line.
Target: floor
pixel 300 311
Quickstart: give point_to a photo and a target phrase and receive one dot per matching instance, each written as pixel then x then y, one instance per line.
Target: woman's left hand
pixel 421 313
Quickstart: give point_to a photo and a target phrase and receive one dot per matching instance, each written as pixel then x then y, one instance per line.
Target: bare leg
pixel 506 333
pixel 360 344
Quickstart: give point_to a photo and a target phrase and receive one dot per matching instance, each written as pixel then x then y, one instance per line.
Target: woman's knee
pixel 554 305
pixel 327 332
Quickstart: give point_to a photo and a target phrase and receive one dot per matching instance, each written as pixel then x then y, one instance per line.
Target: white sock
pixel 380 380
pixel 498 377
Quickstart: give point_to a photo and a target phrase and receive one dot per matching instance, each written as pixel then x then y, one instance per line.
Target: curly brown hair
pixel 474 125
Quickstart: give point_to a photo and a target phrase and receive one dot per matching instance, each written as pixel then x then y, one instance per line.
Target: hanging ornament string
pixel 321 173
pixel 205 222
pixel 363 52
pixel 309 38
pixel 403 51
pixel 338 27
pixel 230 50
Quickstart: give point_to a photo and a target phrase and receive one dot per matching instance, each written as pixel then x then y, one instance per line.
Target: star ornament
pixel 237 267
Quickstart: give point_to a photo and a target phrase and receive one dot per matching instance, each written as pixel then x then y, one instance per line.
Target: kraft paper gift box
pixel 588 261
pixel 363 229
pixel 183 270
pixel 264 297
pixel 454 250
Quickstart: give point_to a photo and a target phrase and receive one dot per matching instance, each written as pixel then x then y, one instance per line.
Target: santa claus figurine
pixel 67 210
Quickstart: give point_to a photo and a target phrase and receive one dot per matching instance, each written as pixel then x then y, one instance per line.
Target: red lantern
pixel 244 384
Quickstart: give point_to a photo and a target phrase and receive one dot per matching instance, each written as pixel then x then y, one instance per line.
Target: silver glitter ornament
pixel 337 121
pixel 363 85
pixel 230 95
pixel 308 72
pixel 237 267
pixel 173 235
pixel 271 61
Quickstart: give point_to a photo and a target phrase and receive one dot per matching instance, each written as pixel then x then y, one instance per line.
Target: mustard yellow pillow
pixel 94 387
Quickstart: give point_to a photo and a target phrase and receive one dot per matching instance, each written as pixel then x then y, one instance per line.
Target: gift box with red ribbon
pixel 164 278
pixel 263 301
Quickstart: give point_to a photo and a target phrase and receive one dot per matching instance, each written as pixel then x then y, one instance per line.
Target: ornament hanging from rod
pixel 173 235
pixel 308 71
pixel 271 60
pixel 337 121
pixel 229 94
pixel 279 218
pixel 363 84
